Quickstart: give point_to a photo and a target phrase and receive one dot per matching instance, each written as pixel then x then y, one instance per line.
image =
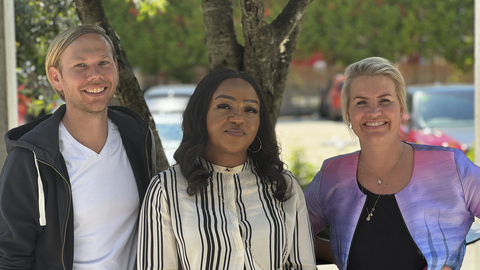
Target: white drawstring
pixel 41 196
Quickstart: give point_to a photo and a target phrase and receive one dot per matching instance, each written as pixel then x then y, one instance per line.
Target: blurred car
pixel 166 104
pixel 168 98
pixel 169 128
pixel 440 115
pixel 331 99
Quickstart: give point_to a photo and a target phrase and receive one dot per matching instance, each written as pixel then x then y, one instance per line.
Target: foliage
pixel 272 9
pixel 471 154
pixel 324 233
pixel 304 172
pixel 347 31
pixel 168 38
pixel 171 43
pixel 301 169
pixel 148 7
pixel 36 24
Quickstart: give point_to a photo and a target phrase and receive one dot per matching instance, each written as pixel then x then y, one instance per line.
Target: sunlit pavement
pixel 327 267
pixel 319 139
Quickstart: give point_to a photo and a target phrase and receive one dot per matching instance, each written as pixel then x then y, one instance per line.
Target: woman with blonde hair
pixel 391 205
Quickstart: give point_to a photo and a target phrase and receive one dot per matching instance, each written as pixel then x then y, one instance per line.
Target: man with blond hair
pixel 72 183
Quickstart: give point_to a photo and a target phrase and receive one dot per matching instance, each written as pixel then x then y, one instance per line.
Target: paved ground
pixel 321 139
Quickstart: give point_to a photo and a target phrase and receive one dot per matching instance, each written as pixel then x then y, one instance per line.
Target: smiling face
pixel 374 110
pixel 87 74
pixel 232 122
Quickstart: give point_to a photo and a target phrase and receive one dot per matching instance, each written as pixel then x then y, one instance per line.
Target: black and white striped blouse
pixel 234 223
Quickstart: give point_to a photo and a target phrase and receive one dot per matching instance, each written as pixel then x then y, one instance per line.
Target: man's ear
pixel 55 77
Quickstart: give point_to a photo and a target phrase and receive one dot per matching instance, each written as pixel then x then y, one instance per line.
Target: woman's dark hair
pixel 195 136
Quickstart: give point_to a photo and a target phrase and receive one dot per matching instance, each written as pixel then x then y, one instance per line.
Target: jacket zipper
pixel 68 212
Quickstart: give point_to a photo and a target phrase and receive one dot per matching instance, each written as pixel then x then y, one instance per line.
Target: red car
pixel 331 99
pixel 440 115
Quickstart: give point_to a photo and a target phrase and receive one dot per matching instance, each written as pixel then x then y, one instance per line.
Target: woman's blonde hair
pixel 372 66
pixel 61 42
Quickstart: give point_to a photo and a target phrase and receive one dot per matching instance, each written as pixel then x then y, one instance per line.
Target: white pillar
pixel 477 82
pixel 476 249
pixel 8 79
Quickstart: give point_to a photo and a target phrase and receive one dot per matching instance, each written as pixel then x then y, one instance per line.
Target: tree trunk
pixel 128 91
pixel 268 49
pixel 223 49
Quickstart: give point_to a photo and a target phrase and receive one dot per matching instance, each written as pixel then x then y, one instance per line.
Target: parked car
pixel 169 128
pixel 168 98
pixel 440 115
pixel 166 104
pixel 331 99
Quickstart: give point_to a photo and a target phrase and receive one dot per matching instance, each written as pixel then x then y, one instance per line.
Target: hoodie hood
pixel 39 136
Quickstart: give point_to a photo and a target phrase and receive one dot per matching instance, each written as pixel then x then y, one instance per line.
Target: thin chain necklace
pixel 245 240
pixel 379 179
pixel 370 214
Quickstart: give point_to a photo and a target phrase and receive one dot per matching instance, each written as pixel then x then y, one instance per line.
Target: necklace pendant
pixel 368 218
pixel 379 181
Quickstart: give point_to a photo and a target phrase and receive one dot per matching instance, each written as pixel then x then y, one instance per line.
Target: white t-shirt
pixel 105 202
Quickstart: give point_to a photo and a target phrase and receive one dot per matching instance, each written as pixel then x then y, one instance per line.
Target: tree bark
pixel 128 92
pixel 223 49
pixel 268 49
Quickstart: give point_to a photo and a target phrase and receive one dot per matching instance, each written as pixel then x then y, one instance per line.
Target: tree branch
pixel 259 49
pixel 291 16
pixel 268 49
pixel 253 15
pixel 223 48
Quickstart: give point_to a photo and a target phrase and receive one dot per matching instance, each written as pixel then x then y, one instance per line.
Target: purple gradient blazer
pixel 438 205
